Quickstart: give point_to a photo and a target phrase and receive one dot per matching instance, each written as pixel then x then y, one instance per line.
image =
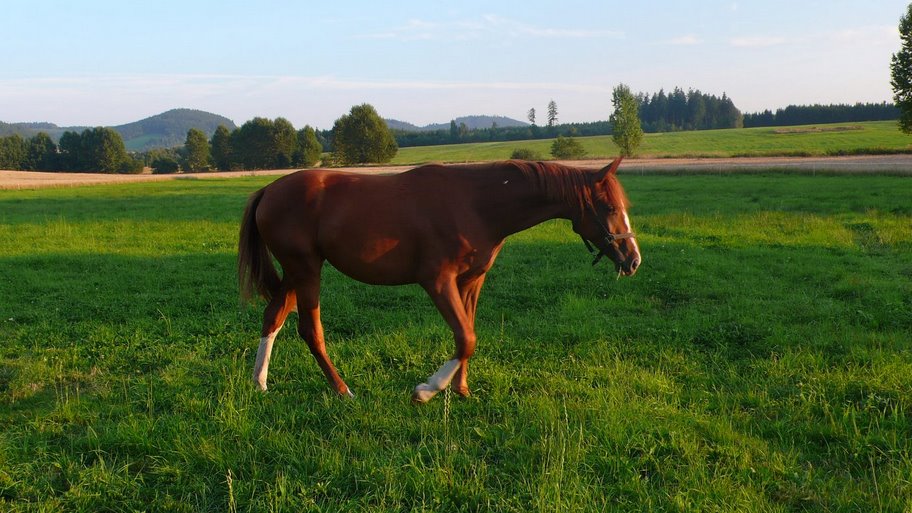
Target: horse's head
pixel 604 222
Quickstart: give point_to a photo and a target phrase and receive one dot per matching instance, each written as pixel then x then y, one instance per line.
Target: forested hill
pixel 471 123
pixel 164 130
pixel 169 128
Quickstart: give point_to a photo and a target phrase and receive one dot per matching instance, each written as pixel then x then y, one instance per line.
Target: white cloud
pixel 685 40
pixel 757 41
pixel 485 26
pixel 879 35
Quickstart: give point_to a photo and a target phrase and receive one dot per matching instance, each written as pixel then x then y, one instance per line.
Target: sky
pixel 105 63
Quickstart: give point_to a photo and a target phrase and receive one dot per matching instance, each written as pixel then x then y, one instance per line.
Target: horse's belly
pixel 380 261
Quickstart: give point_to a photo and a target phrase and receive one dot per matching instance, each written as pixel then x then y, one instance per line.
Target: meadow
pixel 811 140
pixel 758 361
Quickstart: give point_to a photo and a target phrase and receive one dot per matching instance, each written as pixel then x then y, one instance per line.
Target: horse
pixel 440 227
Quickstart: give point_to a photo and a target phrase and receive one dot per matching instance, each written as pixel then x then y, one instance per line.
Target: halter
pixel 608 237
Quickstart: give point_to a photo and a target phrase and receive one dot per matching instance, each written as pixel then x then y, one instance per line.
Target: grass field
pixel 811 140
pixel 759 361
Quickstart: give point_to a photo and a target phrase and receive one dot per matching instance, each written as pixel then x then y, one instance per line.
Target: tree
pixel 220 148
pixel 196 151
pixel 70 147
pixel 531 116
pixel 101 150
pixel 253 144
pixel 567 148
pixel 286 142
pixel 41 153
pixel 309 148
pixel 626 132
pixel 901 73
pixel 552 113
pixel 13 151
pixel 361 136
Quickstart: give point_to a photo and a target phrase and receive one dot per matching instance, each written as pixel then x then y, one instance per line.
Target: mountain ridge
pixel 169 129
pixel 473 122
pixel 164 130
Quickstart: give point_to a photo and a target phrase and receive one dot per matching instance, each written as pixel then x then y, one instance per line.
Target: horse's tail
pixel 257 275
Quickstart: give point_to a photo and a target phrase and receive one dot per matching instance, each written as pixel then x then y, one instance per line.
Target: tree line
pixel 98 149
pixel 691 110
pixel 260 143
pixel 458 134
pixel 658 112
pixel 358 137
pixel 810 114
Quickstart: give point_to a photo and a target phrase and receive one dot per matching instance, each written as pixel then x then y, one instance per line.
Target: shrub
pixel 567 148
pixel 164 166
pixel 525 154
pixel 130 166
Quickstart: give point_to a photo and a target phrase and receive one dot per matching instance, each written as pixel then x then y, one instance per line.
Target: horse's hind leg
pixel 311 329
pixel 282 303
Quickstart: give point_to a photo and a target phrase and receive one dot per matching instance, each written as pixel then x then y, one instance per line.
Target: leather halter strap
pixel 608 237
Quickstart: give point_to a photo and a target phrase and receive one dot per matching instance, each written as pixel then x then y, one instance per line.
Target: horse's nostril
pixel 634 264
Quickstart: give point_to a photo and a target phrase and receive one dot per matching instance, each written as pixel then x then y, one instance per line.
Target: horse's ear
pixel 610 169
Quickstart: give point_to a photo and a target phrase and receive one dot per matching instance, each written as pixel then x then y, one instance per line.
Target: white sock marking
pixel 437 382
pixel 261 368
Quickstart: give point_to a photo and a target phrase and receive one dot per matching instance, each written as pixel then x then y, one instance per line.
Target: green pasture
pixel 759 361
pixel 811 140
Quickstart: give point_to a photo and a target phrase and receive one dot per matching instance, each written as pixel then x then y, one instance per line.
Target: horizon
pixel 101 64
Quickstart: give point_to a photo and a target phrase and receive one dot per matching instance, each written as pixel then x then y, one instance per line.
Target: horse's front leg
pixel 446 297
pixel 469 292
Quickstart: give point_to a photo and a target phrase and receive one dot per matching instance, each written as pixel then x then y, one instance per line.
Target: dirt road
pixel 857 164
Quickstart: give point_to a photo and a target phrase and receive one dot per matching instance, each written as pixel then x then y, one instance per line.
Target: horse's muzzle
pixel 629 267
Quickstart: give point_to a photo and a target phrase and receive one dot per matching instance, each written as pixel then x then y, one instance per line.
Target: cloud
pixel 488 25
pixel 757 41
pixel 881 35
pixel 685 40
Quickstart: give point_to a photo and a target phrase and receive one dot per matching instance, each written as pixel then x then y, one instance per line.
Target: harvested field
pixel 894 164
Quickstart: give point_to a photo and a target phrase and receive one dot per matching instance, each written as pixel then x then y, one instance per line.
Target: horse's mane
pixel 571 185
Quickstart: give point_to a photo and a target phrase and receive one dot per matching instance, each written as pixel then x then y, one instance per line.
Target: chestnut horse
pixel 438 226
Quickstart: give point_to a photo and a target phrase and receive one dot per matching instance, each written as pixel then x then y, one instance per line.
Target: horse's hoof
pixel 461 391
pixel 423 393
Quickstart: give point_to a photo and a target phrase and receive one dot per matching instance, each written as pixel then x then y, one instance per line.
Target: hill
pixel 169 128
pixel 472 122
pixel 163 130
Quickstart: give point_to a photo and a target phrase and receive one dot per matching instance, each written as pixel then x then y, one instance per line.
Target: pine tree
pixel 552 113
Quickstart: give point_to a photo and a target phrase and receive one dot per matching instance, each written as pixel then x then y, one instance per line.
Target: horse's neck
pixel 512 204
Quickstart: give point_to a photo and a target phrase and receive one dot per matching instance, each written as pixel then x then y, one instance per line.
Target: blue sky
pixel 112 62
